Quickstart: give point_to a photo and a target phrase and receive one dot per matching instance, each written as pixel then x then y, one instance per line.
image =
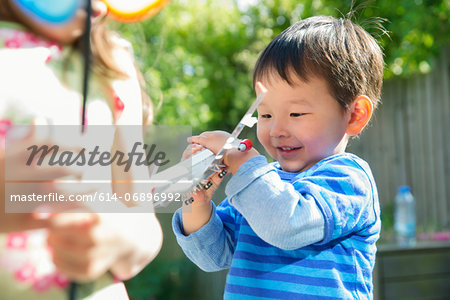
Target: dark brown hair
pixel 337 50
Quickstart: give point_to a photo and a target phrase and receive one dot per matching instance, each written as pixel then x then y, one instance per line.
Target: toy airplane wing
pixel 192 174
pixel 184 175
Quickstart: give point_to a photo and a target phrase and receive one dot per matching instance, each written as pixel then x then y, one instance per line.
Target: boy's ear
pixel 360 113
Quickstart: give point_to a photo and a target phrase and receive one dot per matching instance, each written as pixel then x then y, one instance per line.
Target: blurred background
pixel 197 58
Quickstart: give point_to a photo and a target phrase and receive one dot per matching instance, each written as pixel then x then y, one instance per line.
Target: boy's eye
pixel 265 116
pixel 296 114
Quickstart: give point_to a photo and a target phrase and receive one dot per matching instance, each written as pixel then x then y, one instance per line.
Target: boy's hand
pixel 214 140
pixel 204 195
pixel 197 214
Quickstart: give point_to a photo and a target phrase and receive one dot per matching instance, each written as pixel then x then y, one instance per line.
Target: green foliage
pixel 418 31
pixel 163 280
pixel 197 56
pixel 387 222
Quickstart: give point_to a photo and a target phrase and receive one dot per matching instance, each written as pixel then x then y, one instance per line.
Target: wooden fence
pixel 408 142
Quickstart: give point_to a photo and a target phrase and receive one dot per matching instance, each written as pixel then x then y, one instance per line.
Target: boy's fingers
pixel 195 139
pixel 199 139
pixel 191 149
pixel 196 147
pixel 187 152
pixel 192 138
pixel 209 188
pixel 218 177
pixel 213 183
pixel 222 173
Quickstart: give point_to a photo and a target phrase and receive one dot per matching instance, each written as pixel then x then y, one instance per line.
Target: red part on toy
pixel 245 145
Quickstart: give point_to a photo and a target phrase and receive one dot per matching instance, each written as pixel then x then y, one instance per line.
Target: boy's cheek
pixel 262 133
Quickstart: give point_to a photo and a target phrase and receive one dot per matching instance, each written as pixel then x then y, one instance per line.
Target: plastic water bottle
pixel 405 217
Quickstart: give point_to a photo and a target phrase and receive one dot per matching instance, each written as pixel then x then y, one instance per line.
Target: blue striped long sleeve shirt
pixel 308 235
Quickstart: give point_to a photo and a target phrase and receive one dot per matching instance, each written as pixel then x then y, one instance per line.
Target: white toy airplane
pixel 192 174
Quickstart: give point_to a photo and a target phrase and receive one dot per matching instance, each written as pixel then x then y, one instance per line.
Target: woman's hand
pixel 38 180
pixel 86 245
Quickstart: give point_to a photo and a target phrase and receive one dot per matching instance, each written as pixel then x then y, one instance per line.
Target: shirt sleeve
pixel 280 215
pixel 211 247
pixel 346 193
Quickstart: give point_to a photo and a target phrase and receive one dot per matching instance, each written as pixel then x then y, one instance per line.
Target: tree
pixel 198 55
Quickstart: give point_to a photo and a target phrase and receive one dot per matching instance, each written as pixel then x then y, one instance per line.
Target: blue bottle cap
pixel 404 189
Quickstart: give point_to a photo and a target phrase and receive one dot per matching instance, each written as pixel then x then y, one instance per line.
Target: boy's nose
pixel 279 129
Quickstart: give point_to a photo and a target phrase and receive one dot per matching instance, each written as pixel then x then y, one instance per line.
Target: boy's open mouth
pixel 287 150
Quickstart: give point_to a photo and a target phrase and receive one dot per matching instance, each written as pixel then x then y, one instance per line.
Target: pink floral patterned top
pixel 31 90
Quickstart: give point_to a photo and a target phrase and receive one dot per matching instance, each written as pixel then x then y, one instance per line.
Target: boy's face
pixel 301 124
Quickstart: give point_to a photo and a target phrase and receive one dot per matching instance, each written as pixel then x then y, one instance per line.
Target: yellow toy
pixel 134 11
